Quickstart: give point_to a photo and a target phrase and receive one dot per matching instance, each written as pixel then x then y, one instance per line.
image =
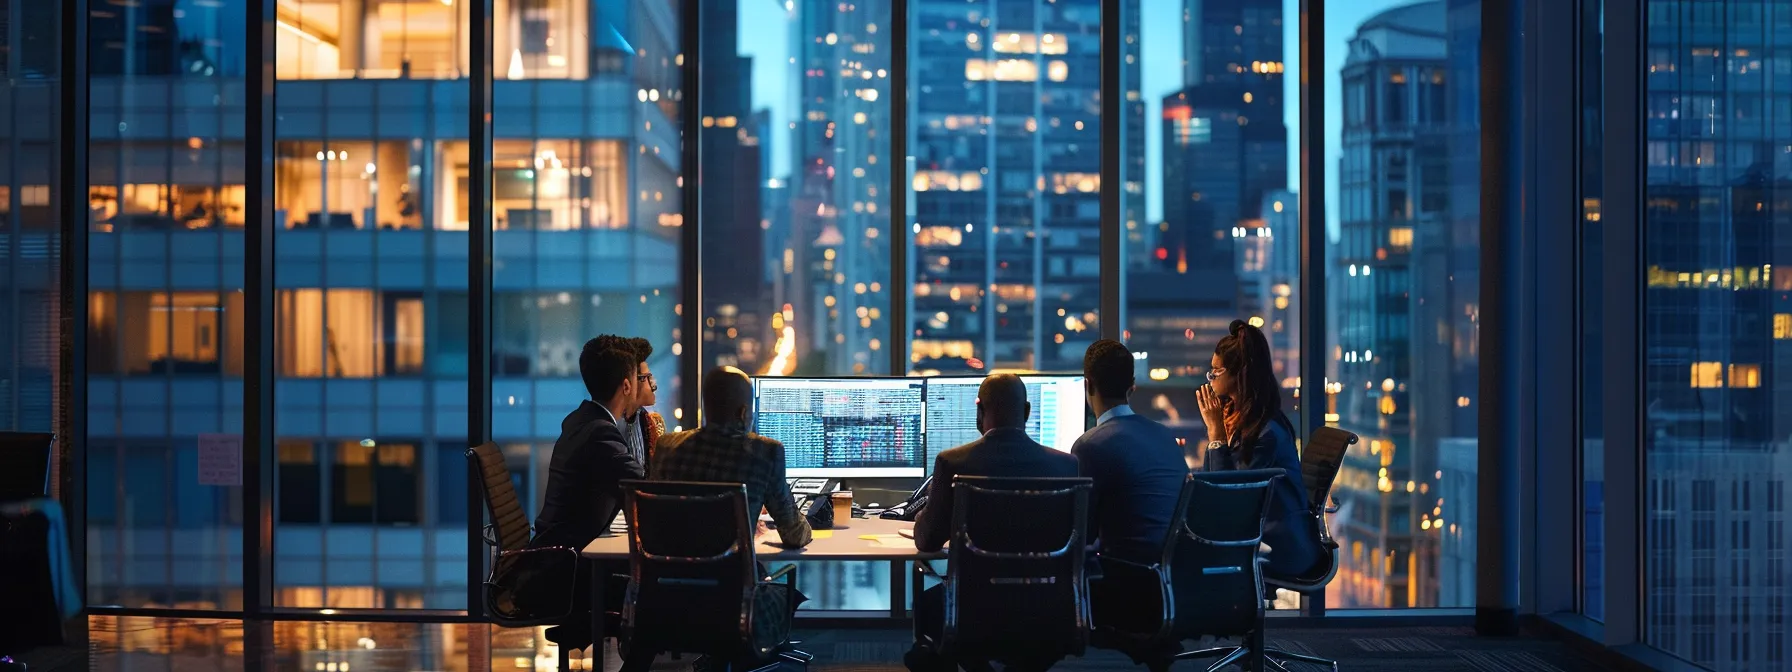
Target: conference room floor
pixel 1409 649
pixel 1433 649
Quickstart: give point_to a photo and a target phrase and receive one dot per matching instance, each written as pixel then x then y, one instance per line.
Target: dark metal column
pixel 899 171
pixel 71 204
pixel 258 339
pixel 690 259
pixel 1312 231
pixel 1110 261
pixel 1503 239
pixel 1621 220
pixel 479 278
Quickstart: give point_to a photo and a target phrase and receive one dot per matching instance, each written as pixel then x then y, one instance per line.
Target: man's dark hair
pixel 642 349
pixel 1108 366
pixel 725 391
pixel 614 342
pixel 604 369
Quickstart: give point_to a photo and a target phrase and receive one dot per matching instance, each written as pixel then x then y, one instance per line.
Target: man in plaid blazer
pixel 724 451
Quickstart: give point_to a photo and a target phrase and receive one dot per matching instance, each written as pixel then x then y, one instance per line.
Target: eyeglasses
pixel 1214 373
pixel 645 378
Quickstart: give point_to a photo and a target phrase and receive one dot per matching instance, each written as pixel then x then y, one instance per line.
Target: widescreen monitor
pixel 1056 421
pixel 843 427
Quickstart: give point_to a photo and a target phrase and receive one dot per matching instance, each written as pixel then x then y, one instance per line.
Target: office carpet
pixel 1403 649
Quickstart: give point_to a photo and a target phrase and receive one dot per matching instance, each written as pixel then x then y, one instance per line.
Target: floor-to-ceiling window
pixel 1402 145
pixel 1590 261
pixel 30 239
pixel 165 309
pixel 1004 132
pixel 1210 213
pixel 1717 329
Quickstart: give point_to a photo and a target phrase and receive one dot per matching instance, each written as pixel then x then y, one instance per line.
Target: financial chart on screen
pixel 1056 421
pixel 843 427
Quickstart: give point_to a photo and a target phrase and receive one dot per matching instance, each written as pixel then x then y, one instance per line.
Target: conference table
pixel 863 539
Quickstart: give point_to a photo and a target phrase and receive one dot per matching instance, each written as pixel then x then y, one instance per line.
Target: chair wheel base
pixel 1280 658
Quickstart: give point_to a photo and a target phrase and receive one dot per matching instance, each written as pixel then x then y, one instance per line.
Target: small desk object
pixel 864 539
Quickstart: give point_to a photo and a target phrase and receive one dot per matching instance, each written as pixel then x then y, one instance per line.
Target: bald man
pixel 1004 450
pixel 723 451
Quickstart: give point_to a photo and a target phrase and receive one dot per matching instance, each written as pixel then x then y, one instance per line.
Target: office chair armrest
pixel 787 572
pixel 925 568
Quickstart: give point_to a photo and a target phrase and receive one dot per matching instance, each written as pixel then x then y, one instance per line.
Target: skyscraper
pixel 1005 132
pixel 1395 196
pixel 737 326
pixel 1717 254
pixel 840 183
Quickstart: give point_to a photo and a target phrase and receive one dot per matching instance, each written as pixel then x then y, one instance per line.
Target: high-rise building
pixel 371 293
pixel 1394 192
pixel 1005 133
pixel 737 324
pixel 1717 254
pixel 1267 263
pixel 840 183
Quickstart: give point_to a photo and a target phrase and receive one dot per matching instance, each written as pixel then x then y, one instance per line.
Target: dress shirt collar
pixel 1120 411
pixel 606 410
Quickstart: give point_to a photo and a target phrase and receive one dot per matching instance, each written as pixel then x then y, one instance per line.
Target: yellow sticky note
pixel 822 534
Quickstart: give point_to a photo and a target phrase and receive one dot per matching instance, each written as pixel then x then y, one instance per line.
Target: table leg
pixel 898 579
pixel 598 578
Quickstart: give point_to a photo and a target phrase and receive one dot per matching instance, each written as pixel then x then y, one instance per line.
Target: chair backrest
pixel 1215 579
pixel 1017 580
pixel 1320 460
pixel 510 524
pixel 691 566
pixel 24 465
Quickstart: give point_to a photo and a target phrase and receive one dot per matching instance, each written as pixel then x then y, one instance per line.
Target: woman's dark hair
pixel 1257 398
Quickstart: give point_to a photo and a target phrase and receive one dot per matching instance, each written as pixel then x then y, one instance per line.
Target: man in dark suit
pixel 584 494
pixel 1138 471
pixel 1135 463
pixel 641 427
pixel 591 457
pixel 1003 450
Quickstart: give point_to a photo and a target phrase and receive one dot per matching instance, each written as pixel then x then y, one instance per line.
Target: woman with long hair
pixel 1242 406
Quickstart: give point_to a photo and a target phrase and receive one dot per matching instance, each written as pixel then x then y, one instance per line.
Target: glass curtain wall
pixel 370 273
pixel 165 310
pixel 1005 136
pixel 587 194
pixel 1591 262
pixel 1717 328
pixel 30 238
pixel 1402 280
pixel 1210 215
pixel 373 217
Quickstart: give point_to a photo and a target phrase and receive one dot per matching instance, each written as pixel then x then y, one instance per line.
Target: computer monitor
pixel 1056 421
pixel 843 427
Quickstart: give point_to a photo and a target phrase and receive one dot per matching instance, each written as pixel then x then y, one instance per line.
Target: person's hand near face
pixel 1211 398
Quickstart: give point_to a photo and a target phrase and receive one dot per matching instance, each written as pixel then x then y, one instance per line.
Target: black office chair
pixel 1211 574
pixel 1015 585
pixel 514 566
pixel 1319 464
pixel 694 582
pixel 24 465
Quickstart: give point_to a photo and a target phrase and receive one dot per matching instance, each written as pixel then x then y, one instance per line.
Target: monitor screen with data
pixel 846 427
pixel 1056 421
